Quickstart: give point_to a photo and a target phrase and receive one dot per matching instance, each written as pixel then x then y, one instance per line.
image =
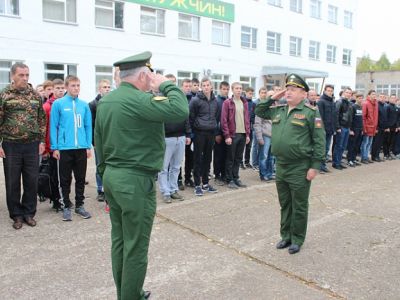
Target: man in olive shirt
pixel 129 136
pixel 298 142
pixel 22 137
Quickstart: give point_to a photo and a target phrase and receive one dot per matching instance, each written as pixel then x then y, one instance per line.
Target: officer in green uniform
pixel 298 142
pixel 129 137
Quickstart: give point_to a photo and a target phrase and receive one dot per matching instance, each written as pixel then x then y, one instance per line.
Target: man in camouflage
pixel 22 137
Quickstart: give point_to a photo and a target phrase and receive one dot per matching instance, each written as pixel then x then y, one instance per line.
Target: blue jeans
pixel 99 182
pixel 255 151
pixel 342 138
pixel 366 146
pixel 168 177
pixel 265 168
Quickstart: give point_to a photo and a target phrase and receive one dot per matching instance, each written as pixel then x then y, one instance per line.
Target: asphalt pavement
pixel 222 246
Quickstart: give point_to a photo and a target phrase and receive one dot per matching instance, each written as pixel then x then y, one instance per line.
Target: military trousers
pixel 132 199
pixel 293 191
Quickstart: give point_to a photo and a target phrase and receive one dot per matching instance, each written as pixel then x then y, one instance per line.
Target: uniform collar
pixel 299 106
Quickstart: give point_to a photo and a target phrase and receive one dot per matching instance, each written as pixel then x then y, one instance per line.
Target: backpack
pixel 45 181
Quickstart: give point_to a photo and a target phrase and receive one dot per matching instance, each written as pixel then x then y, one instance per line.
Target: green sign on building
pixel 208 8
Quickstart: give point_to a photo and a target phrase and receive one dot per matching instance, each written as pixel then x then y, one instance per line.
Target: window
pixel 331 53
pixel 314 50
pixel 60 10
pixel 394 89
pixel 189 27
pixel 273 42
pixel 346 57
pixel 249 37
pixel 332 14
pixel 9 7
pixel 313 86
pixel 382 89
pixel 296 6
pixel 360 88
pixel 103 72
pixel 295 46
pixel 54 70
pixel 247 82
pixel 152 20
pixel 109 14
pixel 348 19
pixel 315 9
pixel 271 83
pixel 5 75
pixel 217 79
pixel 221 33
pixel 275 2
pixel 186 74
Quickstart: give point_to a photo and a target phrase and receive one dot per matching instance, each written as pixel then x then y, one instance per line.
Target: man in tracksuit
pixel 70 140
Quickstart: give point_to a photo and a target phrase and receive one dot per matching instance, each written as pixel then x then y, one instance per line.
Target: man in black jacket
pixel 389 136
pixel 355 138
pixel 104 87
pixel 382 125
pixel 326 107
pixel 203 109
pixel 220 146
pixel 344 119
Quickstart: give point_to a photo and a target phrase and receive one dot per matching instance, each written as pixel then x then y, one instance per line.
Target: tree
pixel 365 64
pixel 395 65
pixel 383 63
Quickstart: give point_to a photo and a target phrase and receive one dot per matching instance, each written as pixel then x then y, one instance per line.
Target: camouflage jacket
pixel 22 118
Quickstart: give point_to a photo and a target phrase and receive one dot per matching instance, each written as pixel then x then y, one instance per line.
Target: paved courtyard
pixel 222 246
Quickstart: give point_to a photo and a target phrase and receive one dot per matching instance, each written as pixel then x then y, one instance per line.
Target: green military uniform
pixel 129 137
pixel 298 142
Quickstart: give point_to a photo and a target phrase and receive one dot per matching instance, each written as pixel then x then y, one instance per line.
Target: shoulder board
pixel 278 106
pixel 160 98
pixel 310 106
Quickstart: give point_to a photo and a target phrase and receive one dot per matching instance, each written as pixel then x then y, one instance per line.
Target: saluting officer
pixel 129 136
pixel 298 142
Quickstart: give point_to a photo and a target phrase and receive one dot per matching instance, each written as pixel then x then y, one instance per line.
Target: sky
pixel 377 28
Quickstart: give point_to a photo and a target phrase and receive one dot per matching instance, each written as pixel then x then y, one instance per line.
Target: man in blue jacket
pixel 71 139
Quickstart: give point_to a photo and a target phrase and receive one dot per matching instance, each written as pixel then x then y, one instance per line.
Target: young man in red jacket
pixel 370 123
pixel 235 124
pixel 58 91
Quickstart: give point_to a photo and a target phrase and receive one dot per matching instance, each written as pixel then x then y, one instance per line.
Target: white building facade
pixel 255 42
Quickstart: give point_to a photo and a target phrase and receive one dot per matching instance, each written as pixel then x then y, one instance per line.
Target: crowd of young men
pixel 222 129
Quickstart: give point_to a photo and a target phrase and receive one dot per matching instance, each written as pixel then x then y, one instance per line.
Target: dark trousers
pixel 72 161
pixel 219 159
pixel 56 193
pixel 389 139
pixel 354 144
pixel 234 154
pixel 21 160
pixel 377 144
pixel 188 162
pixel 247 150
pixel 397 144
pixel 203 145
